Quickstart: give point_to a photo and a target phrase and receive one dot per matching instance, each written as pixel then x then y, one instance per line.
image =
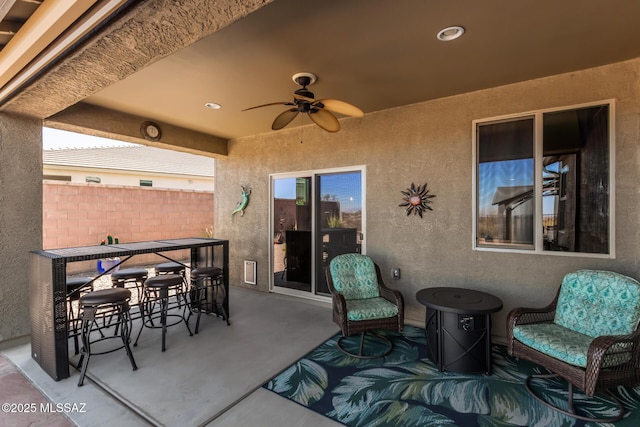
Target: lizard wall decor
pixel 242 205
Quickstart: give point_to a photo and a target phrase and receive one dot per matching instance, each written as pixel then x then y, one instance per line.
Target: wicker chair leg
pixel 360 354
pixel 570 406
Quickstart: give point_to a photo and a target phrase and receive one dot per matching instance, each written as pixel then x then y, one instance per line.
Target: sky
pixel 345 187
pixel 53 139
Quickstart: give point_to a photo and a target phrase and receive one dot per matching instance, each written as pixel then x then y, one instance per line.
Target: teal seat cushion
pixel 354 276
pixel 564 344
pixel 370 308
pixel 597 303
pixel 555 341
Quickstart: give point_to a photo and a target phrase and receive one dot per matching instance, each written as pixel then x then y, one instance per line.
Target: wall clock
pixel 150 131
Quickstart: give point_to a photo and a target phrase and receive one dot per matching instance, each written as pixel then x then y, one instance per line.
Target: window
pixel 57 177
pixel 146 183
pixel 543 182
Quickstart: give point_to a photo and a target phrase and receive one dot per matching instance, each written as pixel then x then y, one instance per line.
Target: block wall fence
pixel 78 214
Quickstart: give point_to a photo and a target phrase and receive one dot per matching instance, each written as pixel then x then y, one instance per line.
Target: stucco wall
pixel 432 142
pixel 20 218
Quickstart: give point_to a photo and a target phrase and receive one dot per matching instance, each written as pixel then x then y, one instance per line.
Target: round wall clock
pixel 151 131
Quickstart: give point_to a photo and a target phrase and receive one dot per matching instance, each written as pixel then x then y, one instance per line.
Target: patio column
pixel 20 218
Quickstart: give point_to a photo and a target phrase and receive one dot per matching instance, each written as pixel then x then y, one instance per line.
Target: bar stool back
pixel 76 287
pixel 126 277
pixel 207 293
pixel 158 290
pixel 102 304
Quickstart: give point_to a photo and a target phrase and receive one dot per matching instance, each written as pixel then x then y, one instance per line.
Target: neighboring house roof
pixel 506 195
pixel 135 158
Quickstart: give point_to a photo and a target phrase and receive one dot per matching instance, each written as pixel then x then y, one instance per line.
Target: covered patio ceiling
pixel 163 60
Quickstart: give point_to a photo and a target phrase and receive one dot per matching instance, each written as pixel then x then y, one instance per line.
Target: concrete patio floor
pixel 261 322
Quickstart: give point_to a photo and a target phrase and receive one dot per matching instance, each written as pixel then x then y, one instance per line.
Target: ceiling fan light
pixel 213 105
pixel 450 33
pixel 304 79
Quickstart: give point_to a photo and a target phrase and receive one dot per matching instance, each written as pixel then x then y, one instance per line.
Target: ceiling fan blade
pixel 325 120
pixel 284 119
pixel 341 107
pixel 268 105
pixel 303 98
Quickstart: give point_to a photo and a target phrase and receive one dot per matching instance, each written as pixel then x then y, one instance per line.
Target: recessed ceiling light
pixel 450 33
pixel 213 105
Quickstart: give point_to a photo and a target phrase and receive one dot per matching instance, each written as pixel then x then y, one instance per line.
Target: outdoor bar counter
pixel 48 294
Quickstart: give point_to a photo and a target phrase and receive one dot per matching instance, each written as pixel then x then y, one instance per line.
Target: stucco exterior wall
pixel 432 142
pixel 20 217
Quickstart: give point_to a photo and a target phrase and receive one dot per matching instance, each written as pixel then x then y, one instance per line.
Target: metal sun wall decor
pixel 416 200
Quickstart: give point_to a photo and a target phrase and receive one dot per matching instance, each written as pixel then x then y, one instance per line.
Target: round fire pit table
pixel 458 328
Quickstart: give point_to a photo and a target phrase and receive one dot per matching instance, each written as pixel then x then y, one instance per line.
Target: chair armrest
pixel 339 303
pixel 395 297
pixel 604 346
pixel 527 316
pixel 387 293
pixel 391 295
pixel 618 354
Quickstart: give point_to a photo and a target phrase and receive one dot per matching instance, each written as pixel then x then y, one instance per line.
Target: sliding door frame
pixel 313 174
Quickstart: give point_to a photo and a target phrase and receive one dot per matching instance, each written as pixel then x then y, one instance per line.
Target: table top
pixel 85 253
pixel 459 300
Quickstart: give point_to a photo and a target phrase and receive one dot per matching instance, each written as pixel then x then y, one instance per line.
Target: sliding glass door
pixel 339 220
pixel 292 215
pixel 316 216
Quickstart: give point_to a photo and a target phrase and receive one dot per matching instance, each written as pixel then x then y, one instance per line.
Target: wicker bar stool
pixel 158 290
pixel 99 305
pixel 76 287
pixel 207 293
pixel 126 277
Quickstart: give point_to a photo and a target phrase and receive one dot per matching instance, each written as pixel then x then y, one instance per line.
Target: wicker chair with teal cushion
pixel 589 335
pixel 363 303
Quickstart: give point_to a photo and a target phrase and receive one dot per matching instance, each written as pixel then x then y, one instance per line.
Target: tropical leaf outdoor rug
pixel 406 389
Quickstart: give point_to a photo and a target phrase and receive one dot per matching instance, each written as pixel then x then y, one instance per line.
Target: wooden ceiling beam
pixel 5 7
pixel 47 23
pixel 9 28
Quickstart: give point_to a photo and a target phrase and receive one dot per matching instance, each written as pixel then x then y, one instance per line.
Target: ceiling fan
pixel 319 110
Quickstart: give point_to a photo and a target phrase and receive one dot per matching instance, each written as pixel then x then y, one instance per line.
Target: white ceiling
pixel 375 54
